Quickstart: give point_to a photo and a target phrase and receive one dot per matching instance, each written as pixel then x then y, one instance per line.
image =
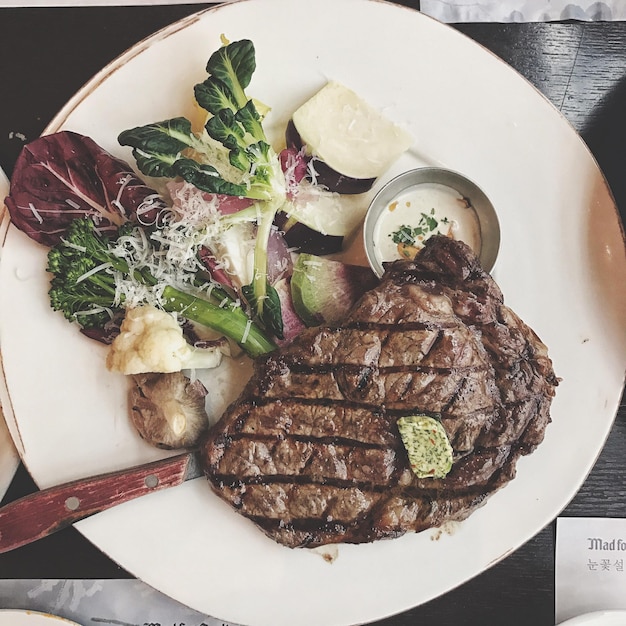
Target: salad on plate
pixel 214 248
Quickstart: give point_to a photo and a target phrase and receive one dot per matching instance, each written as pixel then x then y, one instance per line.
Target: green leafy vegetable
pixel 90 279
pixel 412 235
pixel 272 306
pixel 231 156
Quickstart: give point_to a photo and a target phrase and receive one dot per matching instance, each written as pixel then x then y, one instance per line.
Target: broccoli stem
pixel 105 284
pixel 232 322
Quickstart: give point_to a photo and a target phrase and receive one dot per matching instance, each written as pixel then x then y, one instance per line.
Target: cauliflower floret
pixel 151 340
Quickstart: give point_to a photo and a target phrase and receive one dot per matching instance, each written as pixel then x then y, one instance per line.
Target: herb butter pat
pixel 427 445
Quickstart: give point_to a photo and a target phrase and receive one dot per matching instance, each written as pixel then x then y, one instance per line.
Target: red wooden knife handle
pixel 44 512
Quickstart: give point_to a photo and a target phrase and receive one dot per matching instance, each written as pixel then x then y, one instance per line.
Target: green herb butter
pixel 427 445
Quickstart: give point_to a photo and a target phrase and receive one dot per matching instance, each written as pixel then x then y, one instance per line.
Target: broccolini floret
pixel 87 275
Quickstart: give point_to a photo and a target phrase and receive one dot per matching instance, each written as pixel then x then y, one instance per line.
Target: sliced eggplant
pixel 317 220
pixel 350 142
pixel 303 238
pixel 325 175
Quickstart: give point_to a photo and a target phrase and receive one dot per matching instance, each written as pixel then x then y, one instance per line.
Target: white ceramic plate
pixel 562 255
pixel 9 617
pixel 9 459
pixel 598 618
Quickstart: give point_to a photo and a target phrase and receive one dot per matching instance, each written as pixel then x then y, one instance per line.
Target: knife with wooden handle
pixel 44 512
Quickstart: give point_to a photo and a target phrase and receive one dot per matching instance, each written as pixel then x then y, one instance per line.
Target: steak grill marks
pixel 311 453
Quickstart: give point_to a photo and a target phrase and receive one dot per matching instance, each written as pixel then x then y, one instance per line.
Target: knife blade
pixel 44 512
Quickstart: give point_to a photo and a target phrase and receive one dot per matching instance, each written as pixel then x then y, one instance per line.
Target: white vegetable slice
pixel 338 127
pixel 325 212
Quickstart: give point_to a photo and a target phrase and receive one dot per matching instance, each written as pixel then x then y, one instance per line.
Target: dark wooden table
pixel 47 54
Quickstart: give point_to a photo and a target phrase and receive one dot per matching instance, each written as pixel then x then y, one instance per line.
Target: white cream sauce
pixel 455 217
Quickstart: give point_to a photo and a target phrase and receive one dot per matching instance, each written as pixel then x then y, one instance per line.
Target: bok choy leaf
pixel 230 156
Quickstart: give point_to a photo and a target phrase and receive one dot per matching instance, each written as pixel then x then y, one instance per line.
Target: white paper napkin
pixel 9 459
pixel 590 566
pixel 455 11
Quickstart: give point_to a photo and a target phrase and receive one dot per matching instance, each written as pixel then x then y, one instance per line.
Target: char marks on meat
pixel 310 451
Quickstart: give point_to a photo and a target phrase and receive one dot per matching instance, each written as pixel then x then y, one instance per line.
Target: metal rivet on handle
pixel 72 503
pixel 151 481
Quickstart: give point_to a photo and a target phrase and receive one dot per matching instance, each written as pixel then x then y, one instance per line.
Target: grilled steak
pixel 310 451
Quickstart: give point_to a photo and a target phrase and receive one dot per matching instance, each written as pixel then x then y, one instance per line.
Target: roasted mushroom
pixel 168 410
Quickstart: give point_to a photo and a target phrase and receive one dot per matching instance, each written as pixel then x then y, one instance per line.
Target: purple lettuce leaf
pixel 63 176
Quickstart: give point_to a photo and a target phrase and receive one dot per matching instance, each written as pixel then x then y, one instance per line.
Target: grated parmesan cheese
pixel 34 211
pixel 171 253
pixel 93 271
pixel 246 331
pixel 73 204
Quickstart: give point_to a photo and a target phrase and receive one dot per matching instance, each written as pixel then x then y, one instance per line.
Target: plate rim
pixel 171 29
pixel 598 617
pixel 39 616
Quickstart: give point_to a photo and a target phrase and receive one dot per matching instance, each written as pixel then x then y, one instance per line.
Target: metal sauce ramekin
pixel 484 220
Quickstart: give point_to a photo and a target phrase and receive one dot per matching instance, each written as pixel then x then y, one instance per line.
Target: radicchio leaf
pixel 109 331
pixel 294 164
pixel 194 204
pixel 60 177
pixel 279 262
pixel 292 324
pixel 218 274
